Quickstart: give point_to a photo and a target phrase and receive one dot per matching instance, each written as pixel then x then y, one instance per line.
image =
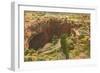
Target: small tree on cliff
pixel 65 45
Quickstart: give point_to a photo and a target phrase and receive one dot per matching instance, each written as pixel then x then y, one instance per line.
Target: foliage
pixel 65 45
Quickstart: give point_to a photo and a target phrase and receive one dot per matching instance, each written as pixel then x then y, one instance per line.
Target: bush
pixel 64 45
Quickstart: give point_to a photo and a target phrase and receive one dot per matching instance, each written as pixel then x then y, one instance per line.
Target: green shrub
pixel 64 45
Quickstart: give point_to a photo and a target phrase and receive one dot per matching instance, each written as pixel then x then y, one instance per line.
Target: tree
pixel 64 45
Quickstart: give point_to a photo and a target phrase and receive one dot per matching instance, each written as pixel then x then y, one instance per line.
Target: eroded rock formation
pixel 40 31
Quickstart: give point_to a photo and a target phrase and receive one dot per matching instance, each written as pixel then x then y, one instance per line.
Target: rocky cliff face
pixel 41 30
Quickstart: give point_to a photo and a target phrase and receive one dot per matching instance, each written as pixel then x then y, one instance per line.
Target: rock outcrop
pixel 40 31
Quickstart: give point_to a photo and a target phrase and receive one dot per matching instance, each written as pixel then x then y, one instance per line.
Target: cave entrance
pixel 38 41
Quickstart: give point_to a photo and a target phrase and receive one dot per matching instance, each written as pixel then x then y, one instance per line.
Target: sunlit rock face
pixel 40 31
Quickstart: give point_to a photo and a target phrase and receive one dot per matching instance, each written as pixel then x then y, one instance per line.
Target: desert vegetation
pixel 56 36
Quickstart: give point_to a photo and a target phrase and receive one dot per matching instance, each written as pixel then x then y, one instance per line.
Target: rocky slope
pixel 43 31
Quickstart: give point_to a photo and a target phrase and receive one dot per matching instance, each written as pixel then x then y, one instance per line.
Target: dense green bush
pixel 65 45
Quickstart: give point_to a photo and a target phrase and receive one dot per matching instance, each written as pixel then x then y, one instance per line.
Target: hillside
pixel 56 36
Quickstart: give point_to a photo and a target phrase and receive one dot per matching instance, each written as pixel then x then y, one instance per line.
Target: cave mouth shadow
pixel 38 41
